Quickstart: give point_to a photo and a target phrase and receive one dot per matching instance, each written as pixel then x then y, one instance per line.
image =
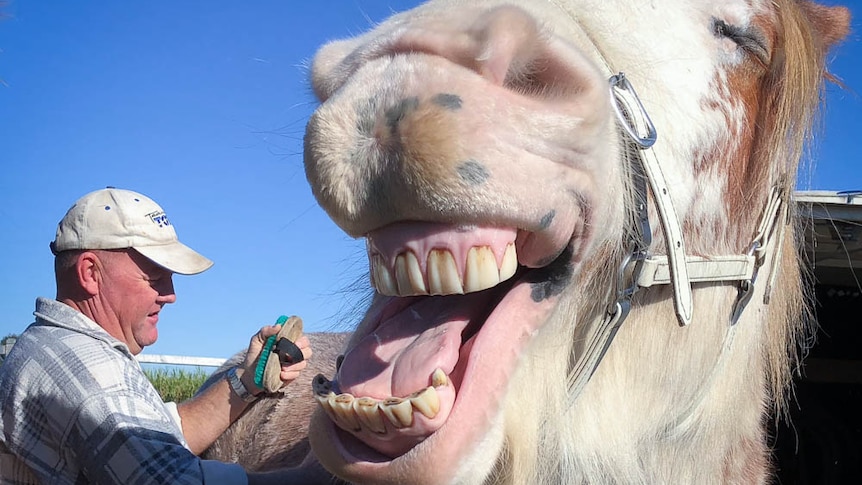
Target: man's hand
pixel 288 373
pixel 208 414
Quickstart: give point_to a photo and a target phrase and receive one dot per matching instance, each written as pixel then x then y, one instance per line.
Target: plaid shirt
pixel 77 408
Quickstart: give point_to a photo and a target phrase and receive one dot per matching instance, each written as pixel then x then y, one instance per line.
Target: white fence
pixel 180 360
pixel 7 344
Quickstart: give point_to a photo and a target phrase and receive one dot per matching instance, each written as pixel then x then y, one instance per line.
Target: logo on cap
pixel 159 218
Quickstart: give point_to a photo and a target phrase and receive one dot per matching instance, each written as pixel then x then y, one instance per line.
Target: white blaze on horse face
pixel 496 117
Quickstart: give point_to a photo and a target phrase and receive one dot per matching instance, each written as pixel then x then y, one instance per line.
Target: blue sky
pixel 204 109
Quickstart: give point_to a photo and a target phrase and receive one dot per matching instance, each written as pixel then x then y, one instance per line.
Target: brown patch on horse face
pixel 425 135
pixel 739 100
pixel 756 92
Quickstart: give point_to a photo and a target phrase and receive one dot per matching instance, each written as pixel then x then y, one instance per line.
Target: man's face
pixel 133 292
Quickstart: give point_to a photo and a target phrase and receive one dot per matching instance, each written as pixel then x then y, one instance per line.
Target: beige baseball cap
pixel 114 218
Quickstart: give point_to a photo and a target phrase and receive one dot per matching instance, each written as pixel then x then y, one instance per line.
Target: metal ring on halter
pixel 621 83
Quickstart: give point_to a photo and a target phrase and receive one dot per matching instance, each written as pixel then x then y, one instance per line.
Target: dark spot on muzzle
pixel 473 172
pixel 551 280
pixel 400 111
pixel 451 102
pixel 366 115
pixel 547 219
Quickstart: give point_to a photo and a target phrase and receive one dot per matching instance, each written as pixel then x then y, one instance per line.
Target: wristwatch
pixel 238 387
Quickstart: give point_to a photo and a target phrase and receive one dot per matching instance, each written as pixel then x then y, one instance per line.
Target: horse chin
pixel 493 327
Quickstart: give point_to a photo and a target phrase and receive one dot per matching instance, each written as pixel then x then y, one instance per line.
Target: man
pixel 75 405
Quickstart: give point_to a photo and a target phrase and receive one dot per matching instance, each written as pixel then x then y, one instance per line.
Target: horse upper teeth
pixel 481 271
pixel 408 275
pixel 509 264
pixel 443 278
pixel 381 278
pixel 355 414
pixel 442 275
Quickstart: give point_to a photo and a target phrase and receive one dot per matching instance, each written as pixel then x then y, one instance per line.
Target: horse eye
pixel 749 40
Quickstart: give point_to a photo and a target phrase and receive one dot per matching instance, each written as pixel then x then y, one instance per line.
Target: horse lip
pixel 360 461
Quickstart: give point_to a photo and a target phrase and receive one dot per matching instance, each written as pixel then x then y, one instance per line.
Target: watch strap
pixel 238 387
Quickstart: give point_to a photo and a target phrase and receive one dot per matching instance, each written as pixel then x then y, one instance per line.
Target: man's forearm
pixel 207 415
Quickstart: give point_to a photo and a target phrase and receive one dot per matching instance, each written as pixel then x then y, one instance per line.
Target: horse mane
pixel 793 94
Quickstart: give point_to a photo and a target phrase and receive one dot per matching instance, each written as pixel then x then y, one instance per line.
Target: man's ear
pixel 88 269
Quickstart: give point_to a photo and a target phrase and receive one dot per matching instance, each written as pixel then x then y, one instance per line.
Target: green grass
pixel 176 385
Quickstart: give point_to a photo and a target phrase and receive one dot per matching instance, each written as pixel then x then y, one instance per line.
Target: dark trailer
pixel 822 442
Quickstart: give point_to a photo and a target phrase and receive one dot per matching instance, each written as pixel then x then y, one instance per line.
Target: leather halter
pixel 677 268
pixel 641 269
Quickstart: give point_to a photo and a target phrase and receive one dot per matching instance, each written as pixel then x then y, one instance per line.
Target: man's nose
pixel 166 291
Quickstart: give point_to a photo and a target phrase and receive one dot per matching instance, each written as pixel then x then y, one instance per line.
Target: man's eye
pixel 748 40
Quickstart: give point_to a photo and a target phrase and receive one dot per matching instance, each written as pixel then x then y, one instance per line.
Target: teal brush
pixel 266 374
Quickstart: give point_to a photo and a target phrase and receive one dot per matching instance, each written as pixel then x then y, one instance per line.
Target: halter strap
pixel 634 119
pixel 676 268
pixel 640 269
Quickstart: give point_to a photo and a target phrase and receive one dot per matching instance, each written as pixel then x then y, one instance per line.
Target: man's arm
pixel 208 414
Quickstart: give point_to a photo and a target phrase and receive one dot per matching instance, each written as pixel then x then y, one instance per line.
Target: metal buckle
pixel 621 88
pixel 746 288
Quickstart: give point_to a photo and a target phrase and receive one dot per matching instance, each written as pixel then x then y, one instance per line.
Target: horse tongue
pixel 400 355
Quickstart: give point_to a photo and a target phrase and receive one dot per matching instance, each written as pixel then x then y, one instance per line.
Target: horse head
pixel 576 214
